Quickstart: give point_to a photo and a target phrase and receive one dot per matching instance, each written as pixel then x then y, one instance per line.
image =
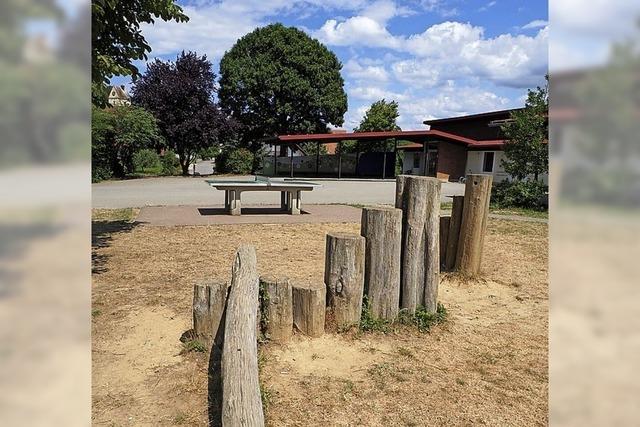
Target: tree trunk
pixel 420 201
pixel 242 404
pixel 309 310
pixel 344 277
pixel 277 308
pixel 444 237
pixel 209 300
pixel 454 232
pixel 184 164
pixel 382 229
pixel 477 195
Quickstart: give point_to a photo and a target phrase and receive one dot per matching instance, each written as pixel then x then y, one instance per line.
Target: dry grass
pixel 487 365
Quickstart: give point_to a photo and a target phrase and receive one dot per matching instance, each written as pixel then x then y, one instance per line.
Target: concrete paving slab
pixel 206 215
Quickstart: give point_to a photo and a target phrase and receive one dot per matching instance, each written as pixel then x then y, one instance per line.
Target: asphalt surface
pixel 193 191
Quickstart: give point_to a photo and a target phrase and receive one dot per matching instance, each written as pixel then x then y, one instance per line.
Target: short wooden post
pixel 420 201
pixel 454 232
pixel 382 229
pixel 477 195
pixel 309 310
pixel 209 300
pixel 241 401
pixel 344 277
pixel 444 237
pixel 277 307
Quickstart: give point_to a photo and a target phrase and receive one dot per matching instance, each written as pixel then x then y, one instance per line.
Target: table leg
pixel 283 200
pixel 226 200
pixel 294 206
pixel 235 202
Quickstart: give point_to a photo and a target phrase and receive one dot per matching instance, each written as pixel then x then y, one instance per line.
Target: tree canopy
pixel 116 134
pixel 117 39
pixel 380 117
pixel 180 95
pixel 526 149
pixel 278 80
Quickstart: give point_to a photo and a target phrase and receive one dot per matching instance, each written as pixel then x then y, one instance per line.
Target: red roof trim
pixel 410 135
pixel 471 116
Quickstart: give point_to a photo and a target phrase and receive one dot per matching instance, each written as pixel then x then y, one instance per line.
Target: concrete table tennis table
pixel 290 192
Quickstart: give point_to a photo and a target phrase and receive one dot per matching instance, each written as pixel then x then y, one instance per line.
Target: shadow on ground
pixel 246 211
pixel 101 235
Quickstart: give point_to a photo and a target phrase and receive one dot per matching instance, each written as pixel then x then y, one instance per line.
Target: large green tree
pixel 380 117
pixel 117 39
pixel 116 134
pixel 526 148
pixel 278 80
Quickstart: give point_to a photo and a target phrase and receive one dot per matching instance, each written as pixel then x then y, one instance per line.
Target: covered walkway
pixel 360 164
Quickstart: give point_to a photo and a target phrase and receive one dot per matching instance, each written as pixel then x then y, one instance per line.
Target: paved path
pixel 193 215
pixel 176 191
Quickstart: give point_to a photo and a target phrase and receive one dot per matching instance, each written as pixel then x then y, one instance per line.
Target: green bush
pixel 521 194
pixel 146 161
pixel 169 164
pixel 237 160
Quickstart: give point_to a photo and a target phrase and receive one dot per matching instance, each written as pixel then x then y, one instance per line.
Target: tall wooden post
pixel 382 229
pixel 444 237
pixel 477 195
pixel 241 401
pixel 454 232
pixel 420 201
pixel 344 277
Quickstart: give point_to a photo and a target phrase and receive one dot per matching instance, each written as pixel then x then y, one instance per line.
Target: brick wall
pixel 452 160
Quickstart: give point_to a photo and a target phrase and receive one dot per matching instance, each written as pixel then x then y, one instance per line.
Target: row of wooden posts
pixel 395 261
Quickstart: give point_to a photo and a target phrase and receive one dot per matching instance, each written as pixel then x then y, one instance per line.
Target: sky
pixel 436 58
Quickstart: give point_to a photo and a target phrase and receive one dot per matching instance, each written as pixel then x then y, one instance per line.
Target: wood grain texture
pixel 278 308
pixel 241 401
pixel 309 309
pixel 454 232
pixel 382 229
pixel 477 195
pixel 344 277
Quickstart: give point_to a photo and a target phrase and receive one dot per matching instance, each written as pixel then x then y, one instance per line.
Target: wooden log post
pixel 382 229
pixel 277 308
pixel 445 221
pixel 241 401
pixel 477 195
pixel 209 300
pixel 344 277
pixel 454 232
pixel 419 199
pixel 309 310
pixel 400 181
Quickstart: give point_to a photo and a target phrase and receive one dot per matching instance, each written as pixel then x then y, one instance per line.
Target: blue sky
pixel 436 58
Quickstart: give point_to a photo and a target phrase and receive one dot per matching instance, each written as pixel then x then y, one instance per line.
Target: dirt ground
pixel 487 365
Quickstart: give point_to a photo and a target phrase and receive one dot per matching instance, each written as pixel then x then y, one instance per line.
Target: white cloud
pixel 416 73
pixel 383 10
pixel 357 71
pixel 537 23
pixel 374 93
pixel 358 30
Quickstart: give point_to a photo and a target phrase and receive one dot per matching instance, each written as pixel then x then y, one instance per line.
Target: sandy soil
pixel 486 365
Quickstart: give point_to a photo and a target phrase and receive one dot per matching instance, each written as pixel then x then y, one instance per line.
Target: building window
pixel 487 165
pixel 416 160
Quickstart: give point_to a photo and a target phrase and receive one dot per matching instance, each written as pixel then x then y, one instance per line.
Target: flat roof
pixel 471 116
pixel 419 136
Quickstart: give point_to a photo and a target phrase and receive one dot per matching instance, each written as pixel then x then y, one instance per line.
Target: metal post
pixel 424 158
pixel 275 160
pixel 395 156
pixel 317 157
pixel 339 159
pixel 384 163
pixel 357 163
pixel 291 160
